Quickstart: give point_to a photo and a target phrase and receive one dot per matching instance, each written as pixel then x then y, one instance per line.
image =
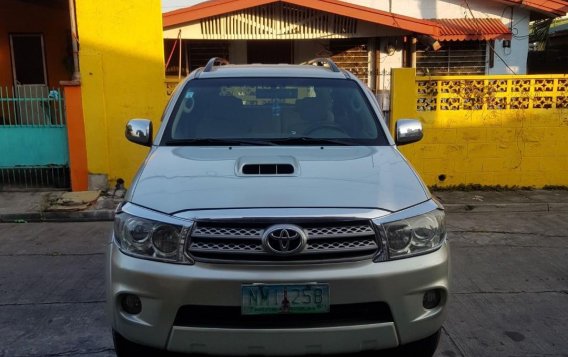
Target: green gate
pixel 33 138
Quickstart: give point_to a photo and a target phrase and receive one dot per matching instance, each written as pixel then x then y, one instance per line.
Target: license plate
pixel 263 299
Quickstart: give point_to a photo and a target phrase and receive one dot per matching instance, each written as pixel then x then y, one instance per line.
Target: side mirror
pixel 139 131
pixel 408 131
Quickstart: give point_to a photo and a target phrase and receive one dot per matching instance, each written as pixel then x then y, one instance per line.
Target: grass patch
pixel 555 188
pixel 478 187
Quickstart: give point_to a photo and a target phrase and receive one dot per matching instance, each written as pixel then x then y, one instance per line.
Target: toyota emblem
pixel 284 239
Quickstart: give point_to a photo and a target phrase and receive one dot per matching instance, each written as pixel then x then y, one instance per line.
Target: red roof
pixel 549 7
pixel 441 29
pixel 219 7
pixel 472 30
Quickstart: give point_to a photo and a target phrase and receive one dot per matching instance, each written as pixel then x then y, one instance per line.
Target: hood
pixel 177 179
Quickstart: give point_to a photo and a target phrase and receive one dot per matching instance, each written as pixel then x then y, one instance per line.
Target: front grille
pixel 230 317
pixel 326 241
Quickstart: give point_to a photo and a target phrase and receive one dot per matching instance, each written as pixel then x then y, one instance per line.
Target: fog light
pixel 131 304
pixel 432 298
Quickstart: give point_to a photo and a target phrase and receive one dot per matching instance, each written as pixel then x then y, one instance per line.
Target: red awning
pixel 551 8
pixel 472 30
pixel 338 7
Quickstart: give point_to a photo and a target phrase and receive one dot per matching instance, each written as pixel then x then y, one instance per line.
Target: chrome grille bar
pixel 225 247
pixel 227 232
pixel 339 232
pixel 359 244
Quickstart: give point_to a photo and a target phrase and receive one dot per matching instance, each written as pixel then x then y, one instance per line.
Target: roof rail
pixel 212 61
pixel 321 61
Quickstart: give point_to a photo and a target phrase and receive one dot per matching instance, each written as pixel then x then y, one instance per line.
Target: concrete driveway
pixel 510 287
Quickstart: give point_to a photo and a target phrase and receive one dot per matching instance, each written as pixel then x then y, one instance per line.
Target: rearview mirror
pixel 139 131
pixel 408 131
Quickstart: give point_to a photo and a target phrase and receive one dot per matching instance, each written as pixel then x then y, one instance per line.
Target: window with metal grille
pixel 352 55
pixel 195 54
pixel 463 57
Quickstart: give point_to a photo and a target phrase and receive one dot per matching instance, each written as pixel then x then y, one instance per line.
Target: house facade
pixel 72 73
pixel 367 37
pixel 35 55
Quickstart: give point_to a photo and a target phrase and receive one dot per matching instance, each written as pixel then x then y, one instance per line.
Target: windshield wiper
pixel 217 141
pixel 302 140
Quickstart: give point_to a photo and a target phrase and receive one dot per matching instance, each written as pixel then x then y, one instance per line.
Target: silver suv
pixel 274 215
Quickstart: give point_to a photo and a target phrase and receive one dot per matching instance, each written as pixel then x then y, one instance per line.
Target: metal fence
pixel 31 105
pixel 34 178
pixel 33 138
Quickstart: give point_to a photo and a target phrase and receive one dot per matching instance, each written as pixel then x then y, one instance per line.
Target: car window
pixel 303 111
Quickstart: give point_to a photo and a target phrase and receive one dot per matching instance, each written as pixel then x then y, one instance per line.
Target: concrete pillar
pixel 76 135
pixel 403 95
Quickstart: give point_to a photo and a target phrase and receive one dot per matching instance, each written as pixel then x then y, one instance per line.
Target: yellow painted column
pixel 122 77
pixel 403 95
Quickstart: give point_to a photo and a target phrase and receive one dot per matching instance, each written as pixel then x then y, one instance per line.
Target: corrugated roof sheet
pixel 549 7
pixel 220 7
pixel 472 30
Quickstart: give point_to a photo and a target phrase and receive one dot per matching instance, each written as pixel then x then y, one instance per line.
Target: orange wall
pixel 50 19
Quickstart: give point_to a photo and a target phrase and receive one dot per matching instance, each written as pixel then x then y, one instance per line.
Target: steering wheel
pixel 328 127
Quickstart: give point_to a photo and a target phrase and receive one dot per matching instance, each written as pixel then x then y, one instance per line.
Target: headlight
pixel 150 239
pixel 414 235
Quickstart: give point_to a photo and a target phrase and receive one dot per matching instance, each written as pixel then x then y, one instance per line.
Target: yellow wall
pixel 488 130
pixel 122 76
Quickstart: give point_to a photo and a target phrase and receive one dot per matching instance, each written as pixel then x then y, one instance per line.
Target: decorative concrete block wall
pixel 488 130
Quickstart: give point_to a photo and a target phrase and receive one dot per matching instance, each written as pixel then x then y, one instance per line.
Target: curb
pixel 505 207
pixel 79 216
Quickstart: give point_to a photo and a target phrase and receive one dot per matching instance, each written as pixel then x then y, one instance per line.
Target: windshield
pixel 273 111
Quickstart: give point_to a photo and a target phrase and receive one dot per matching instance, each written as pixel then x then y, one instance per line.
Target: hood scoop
pixel 268 169
pixel 267 166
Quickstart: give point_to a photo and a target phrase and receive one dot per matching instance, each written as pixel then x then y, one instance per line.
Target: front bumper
pixel 163 288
